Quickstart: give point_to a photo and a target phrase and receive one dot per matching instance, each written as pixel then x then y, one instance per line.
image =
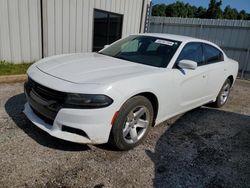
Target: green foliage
pixel 185 10
pixel 242 15
pixel 230 13
pixel 201 12
pixel 214 11
pixel 179 9
pixel 159 10
pixel 7 68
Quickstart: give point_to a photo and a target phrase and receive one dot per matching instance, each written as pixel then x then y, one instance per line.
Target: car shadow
pixel 14 108
pixel 204 148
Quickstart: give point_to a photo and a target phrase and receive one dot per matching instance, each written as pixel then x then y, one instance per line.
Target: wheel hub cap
pixel 136 124
pixel 224 93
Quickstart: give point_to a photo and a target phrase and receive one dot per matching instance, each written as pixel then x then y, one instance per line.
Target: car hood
pixel 90 68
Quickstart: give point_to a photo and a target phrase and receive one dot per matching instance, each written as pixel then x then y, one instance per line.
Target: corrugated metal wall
pixel 20 32
pixel 231 35
pixel 67 25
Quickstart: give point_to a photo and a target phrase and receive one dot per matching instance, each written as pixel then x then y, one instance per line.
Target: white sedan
pixel 118 93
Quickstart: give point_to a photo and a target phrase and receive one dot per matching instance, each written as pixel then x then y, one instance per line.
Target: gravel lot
pixel 202 148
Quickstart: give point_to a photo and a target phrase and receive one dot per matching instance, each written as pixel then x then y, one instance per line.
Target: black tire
pixel 122 121
pixel 219 101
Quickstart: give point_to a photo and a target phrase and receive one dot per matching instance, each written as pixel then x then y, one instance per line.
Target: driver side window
pixel 192 51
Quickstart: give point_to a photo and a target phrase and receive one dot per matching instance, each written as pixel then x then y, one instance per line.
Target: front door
pixel 191 84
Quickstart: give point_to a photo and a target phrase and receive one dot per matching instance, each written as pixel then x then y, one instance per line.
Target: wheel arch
pixel 154 101
pixel 231 78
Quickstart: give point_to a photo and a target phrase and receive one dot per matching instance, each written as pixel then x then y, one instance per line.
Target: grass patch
pixel 7 68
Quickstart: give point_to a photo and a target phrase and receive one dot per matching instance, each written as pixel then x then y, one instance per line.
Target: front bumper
pixel 96 123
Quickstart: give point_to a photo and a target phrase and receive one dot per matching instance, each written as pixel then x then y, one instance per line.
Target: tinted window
pixel 212 54
pixel 145 50
pixel 192 51
pixel 115 27
pixel 107 28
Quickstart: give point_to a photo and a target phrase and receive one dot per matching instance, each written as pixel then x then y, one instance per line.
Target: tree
pixel 191 10
pixel 200 12
pixel 214 11
pixel 159 10
pixel 242 15
pixel 180 9
pixel 230 13
pixel 176 10
pixel 248 17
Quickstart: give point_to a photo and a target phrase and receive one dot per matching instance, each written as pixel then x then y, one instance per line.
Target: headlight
pixel 87 101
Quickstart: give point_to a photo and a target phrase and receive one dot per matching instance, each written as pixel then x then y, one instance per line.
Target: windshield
pixel 145 50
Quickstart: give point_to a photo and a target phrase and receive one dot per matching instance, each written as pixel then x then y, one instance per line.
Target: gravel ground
pixel 202 148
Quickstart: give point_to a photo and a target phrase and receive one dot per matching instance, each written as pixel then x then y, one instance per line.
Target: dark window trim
pixel 93 23
pixel 206 63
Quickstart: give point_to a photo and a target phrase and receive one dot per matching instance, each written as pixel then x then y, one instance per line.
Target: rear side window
pixel 212 54
pixel 192 51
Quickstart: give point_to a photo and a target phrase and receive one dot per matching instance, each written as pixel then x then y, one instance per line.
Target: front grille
pixel 45 92
pixel 44 118
pixel 45 102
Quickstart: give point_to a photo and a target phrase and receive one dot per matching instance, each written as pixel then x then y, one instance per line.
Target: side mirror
pixel 107 45
pixel 187 64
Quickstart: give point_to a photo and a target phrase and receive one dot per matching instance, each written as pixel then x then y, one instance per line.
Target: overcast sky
pixel 238 4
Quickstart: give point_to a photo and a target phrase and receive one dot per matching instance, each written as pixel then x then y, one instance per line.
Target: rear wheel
pixel 223 94
pixel 132 123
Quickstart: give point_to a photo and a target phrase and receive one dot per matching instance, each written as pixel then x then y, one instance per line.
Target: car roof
pixel 180 38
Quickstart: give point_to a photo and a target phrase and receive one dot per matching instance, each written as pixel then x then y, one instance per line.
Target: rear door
pixel 217 69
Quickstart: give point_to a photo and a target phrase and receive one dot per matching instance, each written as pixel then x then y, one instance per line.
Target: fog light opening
pixel 74 131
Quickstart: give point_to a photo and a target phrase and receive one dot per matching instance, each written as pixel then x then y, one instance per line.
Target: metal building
pixel 32 29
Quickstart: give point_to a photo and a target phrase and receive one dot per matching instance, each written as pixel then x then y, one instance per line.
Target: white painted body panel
pixel 97 129
pixel 91 73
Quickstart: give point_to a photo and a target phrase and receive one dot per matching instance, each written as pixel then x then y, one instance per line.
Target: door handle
pixel 204 76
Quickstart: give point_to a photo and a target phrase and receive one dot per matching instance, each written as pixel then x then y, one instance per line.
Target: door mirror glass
pixel 187 64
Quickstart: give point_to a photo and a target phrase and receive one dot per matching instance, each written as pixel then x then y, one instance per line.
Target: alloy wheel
pixel 136 124
pixel 224 93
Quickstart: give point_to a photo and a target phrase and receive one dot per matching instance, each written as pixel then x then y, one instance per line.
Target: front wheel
pixel 132 123
pixel 223 94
